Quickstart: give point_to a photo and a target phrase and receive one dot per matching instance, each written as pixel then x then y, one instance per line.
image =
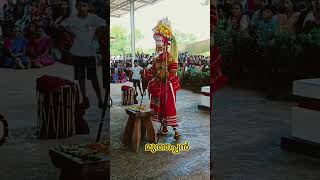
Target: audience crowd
pixel 189 65
pixel 30 34
pixel 263 19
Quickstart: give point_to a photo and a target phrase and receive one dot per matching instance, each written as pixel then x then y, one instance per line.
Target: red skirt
pixel 163 100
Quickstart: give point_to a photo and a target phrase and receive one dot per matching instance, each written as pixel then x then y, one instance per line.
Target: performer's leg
pixel 176 133
pixel 139 86
pixel 135 85
pixel 164 130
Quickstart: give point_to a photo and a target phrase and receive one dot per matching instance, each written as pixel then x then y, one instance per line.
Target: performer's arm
pixel 173 66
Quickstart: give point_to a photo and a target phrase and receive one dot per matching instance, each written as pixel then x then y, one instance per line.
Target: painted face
pixel 159 48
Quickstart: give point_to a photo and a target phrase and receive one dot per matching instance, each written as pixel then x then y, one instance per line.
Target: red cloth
pixel 7 44
pixel 46 84
pixel 163 104
pixel 125 88
pixel 147 74
pixel 165 108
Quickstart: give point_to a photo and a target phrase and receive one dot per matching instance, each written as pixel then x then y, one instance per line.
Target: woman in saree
pixel 123 76
pixel 15 50
pixel 39 49
pixel 288 20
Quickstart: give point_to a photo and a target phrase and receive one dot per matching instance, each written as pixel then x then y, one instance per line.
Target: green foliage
pixel 315 36
pixel 184 38
pixel 223 37
pixel 122 42
pixel 195 81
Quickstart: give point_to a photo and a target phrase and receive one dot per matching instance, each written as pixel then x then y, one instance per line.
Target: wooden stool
pixel 139 124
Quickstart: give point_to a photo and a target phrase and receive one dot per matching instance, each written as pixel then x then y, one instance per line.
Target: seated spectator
pixel 39 49
pixel 289 18
pixel 257 15
pixel 227 6
pixel 115 77
pixel 15 50
pixel 267 28
pixel 238 20
pixel 312 19
pixel 123 76
pixel 192 70
pixel 199 67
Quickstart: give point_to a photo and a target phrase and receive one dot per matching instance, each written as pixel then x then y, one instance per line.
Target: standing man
pixel 84 25
pixel 136 76
pixel 165 84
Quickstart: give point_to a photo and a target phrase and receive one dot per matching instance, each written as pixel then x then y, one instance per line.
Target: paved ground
pixel 23 156
pixel 144 165
pixel 247 131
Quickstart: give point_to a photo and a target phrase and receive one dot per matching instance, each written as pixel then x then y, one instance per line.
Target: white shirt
pixel 136 72
pixel 84 30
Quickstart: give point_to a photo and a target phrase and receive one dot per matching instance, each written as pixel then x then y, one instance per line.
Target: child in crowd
pixel 15 50
pixel 267 28
pixel 83 26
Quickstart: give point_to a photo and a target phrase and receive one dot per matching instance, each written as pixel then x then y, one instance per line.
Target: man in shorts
pixel 136 76
pixel 84 25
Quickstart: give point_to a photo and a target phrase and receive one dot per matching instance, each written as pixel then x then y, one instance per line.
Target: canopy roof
pixel 119 8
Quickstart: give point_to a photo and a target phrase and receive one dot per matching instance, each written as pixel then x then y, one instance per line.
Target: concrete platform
pixel 23 156
pixel 194 127
pixel 247 137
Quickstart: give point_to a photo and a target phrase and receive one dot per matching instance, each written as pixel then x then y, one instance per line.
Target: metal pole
pixel 133 48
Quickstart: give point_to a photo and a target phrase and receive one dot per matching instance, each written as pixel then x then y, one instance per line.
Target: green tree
pixel 138 36
pixel 184 38
pixel 121 44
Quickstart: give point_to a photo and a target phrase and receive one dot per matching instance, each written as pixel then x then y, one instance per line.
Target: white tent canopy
pixel 119 8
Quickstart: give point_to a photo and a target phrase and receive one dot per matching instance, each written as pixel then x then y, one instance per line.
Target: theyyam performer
pixel 165 82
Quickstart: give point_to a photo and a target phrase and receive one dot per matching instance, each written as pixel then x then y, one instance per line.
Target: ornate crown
pixel 162 31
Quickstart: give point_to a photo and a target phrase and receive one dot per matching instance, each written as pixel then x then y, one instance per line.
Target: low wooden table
pixel 75 168
pixel 139 124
